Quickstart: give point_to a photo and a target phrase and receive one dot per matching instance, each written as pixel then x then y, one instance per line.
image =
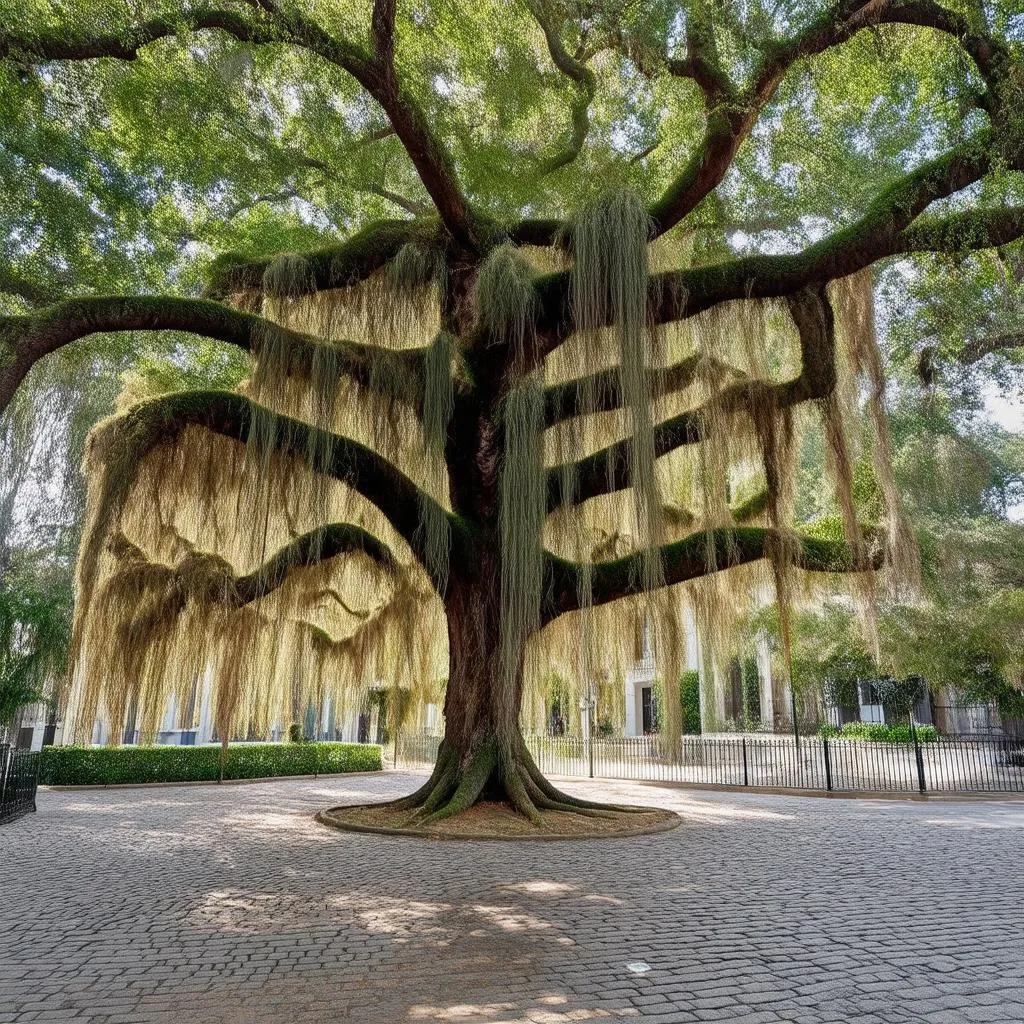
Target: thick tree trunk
pixel 483 756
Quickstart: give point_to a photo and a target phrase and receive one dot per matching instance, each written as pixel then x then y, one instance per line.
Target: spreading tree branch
pixel 309 549
pixel 578 73
pixel 272 25
pixel 334 266
pixel 732 114
pixel 30 338
pixel 697 555
pixel 607 470
pixel 233 416
pixel 886 229
pixel 977 349
pixel 602 391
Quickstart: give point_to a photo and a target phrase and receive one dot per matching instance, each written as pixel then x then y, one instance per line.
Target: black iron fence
pixel 19 775
pixel 774 761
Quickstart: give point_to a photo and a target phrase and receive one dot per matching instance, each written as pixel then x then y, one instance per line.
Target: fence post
pixel 828 764
pixel 918 758
pixel 35 779
pixel 4 750
pixel 746 781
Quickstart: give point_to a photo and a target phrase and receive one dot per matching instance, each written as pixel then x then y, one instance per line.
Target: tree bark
pixel 483 756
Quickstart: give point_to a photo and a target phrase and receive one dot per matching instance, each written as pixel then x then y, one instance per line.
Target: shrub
pixel 689 696
pixel 295 733
pixel 828 731
pixel 103 766
pixel 879 733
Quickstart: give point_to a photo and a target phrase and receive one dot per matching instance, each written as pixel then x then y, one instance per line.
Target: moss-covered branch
pixel 80 42
pixel 607 470
pixel 732 113
pixel 218 582
pixel 334 266
pixel 602 391
pixel 887 229
pixel 232 415
pixel 964 232
pixel 319 545
pixel 27 339
pixel 697 555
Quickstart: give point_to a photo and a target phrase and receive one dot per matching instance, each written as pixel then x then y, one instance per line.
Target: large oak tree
pixel 562 177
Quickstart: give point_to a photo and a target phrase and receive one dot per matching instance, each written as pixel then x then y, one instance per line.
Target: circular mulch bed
pixel 499 821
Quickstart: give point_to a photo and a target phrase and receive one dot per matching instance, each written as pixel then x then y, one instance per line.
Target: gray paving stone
pixel 230 904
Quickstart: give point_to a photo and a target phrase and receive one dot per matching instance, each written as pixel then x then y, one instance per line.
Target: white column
pixel 171 713
pixel 786 711
pixel 350 730
pixel 325 717
pixel 630 685
pixel 692 641
pixel 73 709
pixel 764 671
pixel 205 731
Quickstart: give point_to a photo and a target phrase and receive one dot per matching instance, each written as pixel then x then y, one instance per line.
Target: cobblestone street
pixel 229 903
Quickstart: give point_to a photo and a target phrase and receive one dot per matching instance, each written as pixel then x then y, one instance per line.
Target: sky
pixel 1007 413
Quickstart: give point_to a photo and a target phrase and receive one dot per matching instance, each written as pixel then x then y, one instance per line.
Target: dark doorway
pixel 647 704
pixel 363 733
pixel 735 708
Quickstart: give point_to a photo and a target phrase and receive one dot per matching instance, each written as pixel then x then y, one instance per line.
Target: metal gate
pixel 19 775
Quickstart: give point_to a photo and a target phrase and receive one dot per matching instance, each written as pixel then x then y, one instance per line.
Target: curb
pixel 324 818
pixel 208 782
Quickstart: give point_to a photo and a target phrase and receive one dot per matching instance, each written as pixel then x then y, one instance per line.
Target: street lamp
pixel 587 705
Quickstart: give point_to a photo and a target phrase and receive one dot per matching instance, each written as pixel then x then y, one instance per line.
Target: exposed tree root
pixel 445 756
pixel 507 774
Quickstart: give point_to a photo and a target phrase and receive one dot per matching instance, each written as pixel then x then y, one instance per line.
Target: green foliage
pixel 394 706
pixel 184 366
pixel 295 732
pixel 751 694
pixel 829 654
pixel 35 627
pixel 876 732
pixel 899 696
pixel 689 698
pixel 108 766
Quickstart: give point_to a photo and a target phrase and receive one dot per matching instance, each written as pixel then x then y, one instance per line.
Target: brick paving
pixel 230 904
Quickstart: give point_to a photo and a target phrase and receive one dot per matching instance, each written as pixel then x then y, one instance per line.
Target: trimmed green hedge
pixel 103 766
pixel 879 733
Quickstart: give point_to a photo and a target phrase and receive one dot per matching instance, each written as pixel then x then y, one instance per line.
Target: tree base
pixel 490 820
pixel 496 793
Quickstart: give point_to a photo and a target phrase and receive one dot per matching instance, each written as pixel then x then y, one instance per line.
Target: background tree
pixel 35 628
pixel 550 323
